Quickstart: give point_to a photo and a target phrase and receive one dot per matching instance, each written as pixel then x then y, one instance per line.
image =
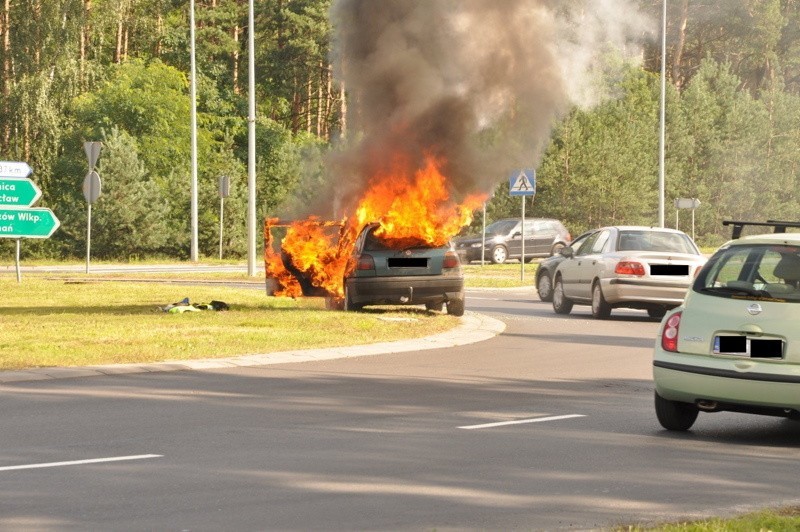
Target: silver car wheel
pixel 600 308
pixel 499 255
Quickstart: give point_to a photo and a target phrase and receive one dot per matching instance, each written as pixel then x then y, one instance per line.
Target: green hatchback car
pixel 418 275
pixel 734 344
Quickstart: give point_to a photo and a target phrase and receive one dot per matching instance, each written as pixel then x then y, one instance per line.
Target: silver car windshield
pixel 662 241
pixel 758 272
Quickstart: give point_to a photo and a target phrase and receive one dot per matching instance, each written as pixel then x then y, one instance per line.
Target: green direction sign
pixel 18 192
pixel 27 223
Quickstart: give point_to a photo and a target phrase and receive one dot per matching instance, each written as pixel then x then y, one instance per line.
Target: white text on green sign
pixel 27 223
pixel 18 192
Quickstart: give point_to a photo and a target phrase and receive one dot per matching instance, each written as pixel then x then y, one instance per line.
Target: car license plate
pixel 669 269
pixel 748 347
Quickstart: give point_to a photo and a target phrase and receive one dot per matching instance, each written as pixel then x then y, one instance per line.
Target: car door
pixel 514 241
pixel 571 270
pixel 591 263
pixel 538 237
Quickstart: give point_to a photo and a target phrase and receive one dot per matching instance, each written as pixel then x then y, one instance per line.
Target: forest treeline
pixel 117 71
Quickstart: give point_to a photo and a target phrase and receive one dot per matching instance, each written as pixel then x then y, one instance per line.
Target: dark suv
pixel 543 237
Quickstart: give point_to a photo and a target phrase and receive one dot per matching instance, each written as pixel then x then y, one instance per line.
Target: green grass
pixel 780 520
pixel 70 323
pixel 499 275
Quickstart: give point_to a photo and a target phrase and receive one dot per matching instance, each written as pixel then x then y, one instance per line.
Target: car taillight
pixel 629 267
pixel 450 260
pixel 669 336
pixel 366 262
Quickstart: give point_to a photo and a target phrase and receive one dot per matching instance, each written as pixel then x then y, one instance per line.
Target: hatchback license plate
pixel 749 347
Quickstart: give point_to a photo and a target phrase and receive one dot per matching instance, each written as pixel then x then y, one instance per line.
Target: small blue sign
pixel 522 183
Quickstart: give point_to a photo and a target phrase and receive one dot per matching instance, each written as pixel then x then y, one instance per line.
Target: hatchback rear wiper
pixel 750 291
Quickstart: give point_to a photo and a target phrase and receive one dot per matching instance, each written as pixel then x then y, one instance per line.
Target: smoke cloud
pixel 475 83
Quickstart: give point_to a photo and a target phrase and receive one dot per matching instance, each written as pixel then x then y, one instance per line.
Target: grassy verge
pixel 785 519
pixel 499 275
pixel 70 323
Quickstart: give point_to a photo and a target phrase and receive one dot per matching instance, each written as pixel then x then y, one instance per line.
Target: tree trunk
pixel 5 29
pixel 319 98
pixel 677 57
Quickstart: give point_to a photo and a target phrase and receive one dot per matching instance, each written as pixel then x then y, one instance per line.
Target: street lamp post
pixel 251 147
pixel 662 115
pixel 193 121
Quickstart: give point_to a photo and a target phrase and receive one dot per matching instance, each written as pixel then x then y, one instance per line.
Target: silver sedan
pixel 627 267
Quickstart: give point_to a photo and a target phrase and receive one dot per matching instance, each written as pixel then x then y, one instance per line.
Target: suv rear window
pixel 756 271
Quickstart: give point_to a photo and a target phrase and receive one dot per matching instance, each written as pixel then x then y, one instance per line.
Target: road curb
pixel 474 328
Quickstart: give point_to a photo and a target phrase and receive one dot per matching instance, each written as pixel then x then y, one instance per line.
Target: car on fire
pixel 646 268
pixel 503 240
pixel 734 343
pixel 415 275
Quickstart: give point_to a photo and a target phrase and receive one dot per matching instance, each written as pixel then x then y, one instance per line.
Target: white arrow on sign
pixel 14 169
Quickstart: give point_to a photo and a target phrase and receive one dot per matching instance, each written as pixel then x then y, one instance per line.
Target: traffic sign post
pixel 91 191
pixel 17 220
pixel 522 183
pixel 224 192
pixel 686 203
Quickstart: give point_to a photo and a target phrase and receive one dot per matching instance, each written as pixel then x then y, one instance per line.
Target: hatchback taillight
pixel 450 260
pixel 629 267
pixel 366 262
pixel 669 336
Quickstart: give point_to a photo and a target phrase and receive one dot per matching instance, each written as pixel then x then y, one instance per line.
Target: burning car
pixel 420 274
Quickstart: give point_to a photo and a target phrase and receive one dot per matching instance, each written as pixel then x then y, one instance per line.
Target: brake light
pixel 366 262
pixel 450 260
pixel 629 267
pixel 669 336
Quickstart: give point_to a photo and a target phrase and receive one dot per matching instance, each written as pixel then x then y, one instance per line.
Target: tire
pixel 561 305
pixel 455 307
pixel 435 306
pixel 674 415
pixel 499 254
pixel 657 313
pixel 349 306
pixel 601 310
pixel 544 287
pixel 557 247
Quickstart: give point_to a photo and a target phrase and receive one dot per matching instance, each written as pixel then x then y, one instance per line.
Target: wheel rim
pixel 558 294
pixel 544 286
pixel 499 254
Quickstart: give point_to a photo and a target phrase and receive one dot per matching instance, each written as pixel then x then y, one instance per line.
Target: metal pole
pixel 693 224
pixel 16 262
pixel 522 257
pixel 483 236
pixel 221 214
pixel 251 147
pixel 193 107
pixel 88 234
pixel 662 115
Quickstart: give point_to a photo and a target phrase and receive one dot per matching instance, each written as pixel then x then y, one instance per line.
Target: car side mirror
pixel 517 234
pixel 567 252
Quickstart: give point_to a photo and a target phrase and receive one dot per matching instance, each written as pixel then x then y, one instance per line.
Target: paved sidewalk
pixel 474 327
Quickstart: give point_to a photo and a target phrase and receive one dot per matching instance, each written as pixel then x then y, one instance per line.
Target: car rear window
pixel 662 241
pixel 755 272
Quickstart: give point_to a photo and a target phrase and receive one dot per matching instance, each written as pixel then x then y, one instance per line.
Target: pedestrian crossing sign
pixel 522 183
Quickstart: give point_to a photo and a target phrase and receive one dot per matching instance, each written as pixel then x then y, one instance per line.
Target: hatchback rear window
pixel 758 272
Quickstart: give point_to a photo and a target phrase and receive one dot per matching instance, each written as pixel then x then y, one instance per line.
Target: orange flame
pixel 412 208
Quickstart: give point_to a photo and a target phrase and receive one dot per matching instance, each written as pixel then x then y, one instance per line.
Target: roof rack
pixel 777 225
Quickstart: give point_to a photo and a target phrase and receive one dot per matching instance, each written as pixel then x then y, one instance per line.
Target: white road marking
pixel 82 462
pixel 521 421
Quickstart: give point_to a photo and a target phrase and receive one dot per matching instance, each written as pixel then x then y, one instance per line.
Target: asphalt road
pixel 548 426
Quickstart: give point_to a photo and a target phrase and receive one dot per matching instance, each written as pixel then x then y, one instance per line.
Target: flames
pixel 412 208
